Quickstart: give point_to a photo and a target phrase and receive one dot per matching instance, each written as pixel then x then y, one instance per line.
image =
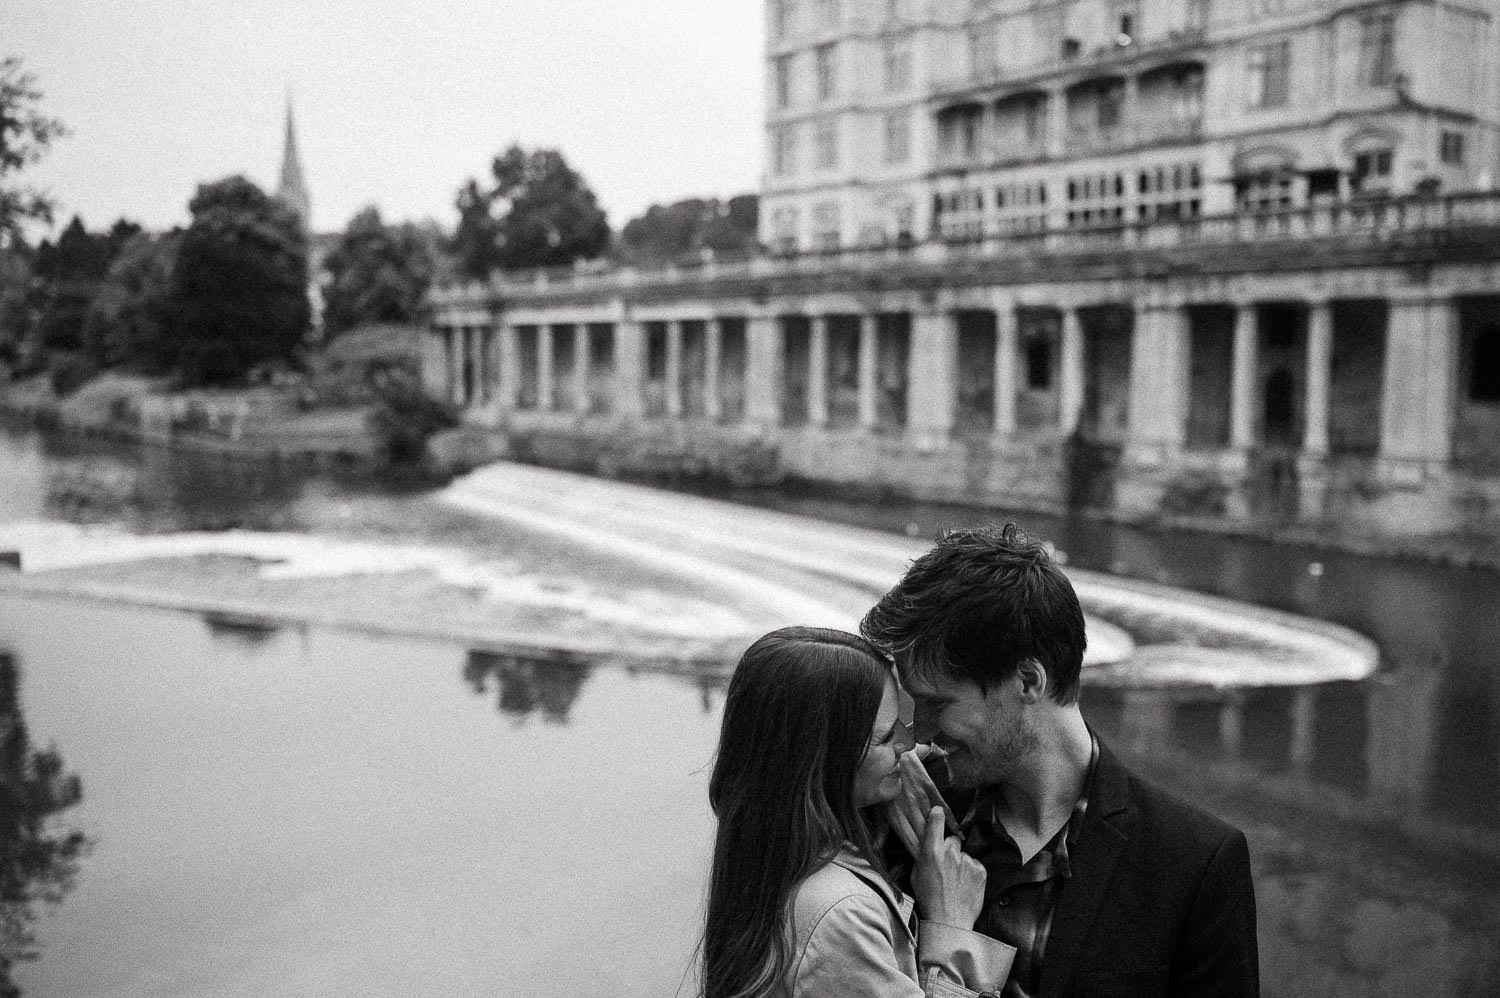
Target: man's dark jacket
pixel 1160 900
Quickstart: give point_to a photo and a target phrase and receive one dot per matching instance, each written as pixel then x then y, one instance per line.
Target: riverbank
pixel 270 422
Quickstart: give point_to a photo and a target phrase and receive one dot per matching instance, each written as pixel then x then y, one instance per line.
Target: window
pixel 1187 96
pixel 1125 19
pixel 828 72
pixel 1111 102
pixel 783 70
pixel 1451 148
pixel 826 226
pixel 1377 50
pixel 1270 67
pixel 784 224
pixel 1372 172
pixel 1035 120
pixel 783 151
pixel 897 137
pixel 896 63
pixel 826 144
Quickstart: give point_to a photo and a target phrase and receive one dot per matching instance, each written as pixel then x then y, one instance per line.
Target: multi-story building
pixel 1237 259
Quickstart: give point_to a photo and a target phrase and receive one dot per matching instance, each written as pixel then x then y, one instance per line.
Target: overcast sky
pixel 397 102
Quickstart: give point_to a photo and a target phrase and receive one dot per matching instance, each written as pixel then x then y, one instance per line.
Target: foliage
pixel 406 416
pixel 238 296
pixel 539 212
pixel 37 862
pixel 25 135
pixel 66 275
pixel 70 370
pixel 128 321
pixel 377 273
pixel 667 232
pixel 15 284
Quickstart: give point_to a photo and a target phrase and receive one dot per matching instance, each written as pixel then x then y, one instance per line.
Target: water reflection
pixel 38 860
pixel 1396 749
pixel 528 684
pixel 240 629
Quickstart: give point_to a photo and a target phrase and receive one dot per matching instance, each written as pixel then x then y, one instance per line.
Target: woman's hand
pixel 949 885
pixel 907 814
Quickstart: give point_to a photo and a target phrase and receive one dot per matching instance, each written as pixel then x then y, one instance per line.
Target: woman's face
pixel 877 781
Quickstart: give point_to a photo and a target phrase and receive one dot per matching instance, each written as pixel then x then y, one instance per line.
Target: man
pixel 1105 884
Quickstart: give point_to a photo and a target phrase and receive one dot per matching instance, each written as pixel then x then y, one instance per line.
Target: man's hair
pixel 979 604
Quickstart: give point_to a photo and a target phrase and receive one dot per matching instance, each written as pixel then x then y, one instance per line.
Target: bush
pixel 70 372
pixel 405 416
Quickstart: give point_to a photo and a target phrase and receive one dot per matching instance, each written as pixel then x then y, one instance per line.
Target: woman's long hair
pixel 797 720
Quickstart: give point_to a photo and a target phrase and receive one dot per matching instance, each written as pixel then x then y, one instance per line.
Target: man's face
pixel 985 733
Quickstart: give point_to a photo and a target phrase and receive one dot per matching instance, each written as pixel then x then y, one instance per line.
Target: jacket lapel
pixel 1106 830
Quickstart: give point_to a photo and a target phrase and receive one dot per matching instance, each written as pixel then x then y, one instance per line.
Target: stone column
pixel 817 372
pixel 674 369
pixel 476 358
pixel 544 393
pixel 868 416
pixel 712 341
pixel 629 353
pixel 434 361
pixel 1159 377
pixel 509 383
pixel 453 365
pixel 1319 354
pixel 1419 383
pixel 581 399
pixel 1007 351
pixel 763 359
pixel 931 390
pixel 1070 373
pixel 1245 375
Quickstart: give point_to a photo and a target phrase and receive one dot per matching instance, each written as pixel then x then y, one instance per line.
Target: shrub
pixel 405 416
pixel 70 372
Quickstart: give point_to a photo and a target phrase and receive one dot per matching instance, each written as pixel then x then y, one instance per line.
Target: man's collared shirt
pixel 1019 897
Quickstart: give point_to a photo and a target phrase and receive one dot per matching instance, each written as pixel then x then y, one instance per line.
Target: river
pixel 302 809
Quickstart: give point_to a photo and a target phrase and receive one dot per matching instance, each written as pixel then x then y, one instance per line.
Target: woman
pixel 800 903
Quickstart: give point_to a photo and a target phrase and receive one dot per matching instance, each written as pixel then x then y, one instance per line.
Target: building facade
pixel 1233 260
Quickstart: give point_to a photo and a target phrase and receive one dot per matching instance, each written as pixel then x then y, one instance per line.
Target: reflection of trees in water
pixel 529 684
pixel 37 861
pixel 239 629
pixel 91 480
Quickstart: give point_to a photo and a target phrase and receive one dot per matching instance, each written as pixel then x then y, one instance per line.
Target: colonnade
pixel 744 362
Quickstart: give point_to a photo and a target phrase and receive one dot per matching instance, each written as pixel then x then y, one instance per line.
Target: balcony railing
pixel 1356 223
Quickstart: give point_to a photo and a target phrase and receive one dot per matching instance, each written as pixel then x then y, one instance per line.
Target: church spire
pixel 293 188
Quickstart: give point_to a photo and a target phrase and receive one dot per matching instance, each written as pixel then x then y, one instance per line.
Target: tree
pixel 128 321
pixel 67 274
pixel 38 862
pixel 538 213
pixel 377 273
pixel 239 289
pixel 686 227
pixel 25 135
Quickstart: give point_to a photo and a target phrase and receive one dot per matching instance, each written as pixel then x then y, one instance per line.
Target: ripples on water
pixel 329 812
